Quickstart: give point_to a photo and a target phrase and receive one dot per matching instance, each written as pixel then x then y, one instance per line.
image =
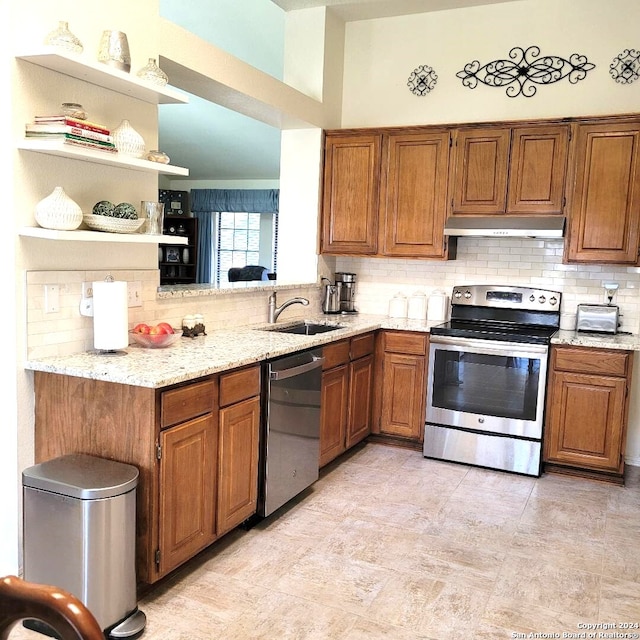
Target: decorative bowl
pixel 112 225
pixel 156 341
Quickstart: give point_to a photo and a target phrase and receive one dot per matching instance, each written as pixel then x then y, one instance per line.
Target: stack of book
pixel 73 132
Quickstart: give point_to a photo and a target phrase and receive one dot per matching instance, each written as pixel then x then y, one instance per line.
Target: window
pixel 244 239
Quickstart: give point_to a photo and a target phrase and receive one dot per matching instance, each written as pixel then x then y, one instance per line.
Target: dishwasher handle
pixel 296 371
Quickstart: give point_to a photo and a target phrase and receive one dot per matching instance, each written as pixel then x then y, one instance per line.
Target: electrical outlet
pixel 134 294
pixel 51 298
pixel 610 291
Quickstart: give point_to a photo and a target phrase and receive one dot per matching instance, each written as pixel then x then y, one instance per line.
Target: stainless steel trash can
pixel 80 535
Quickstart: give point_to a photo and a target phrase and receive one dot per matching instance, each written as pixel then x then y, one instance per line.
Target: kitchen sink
pixel 304 328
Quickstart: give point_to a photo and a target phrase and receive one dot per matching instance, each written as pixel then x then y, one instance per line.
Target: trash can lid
pixel 82 476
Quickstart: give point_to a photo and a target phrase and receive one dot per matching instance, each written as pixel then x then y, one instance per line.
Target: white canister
pixel 438 307
pixel 417 306
pixel 398 306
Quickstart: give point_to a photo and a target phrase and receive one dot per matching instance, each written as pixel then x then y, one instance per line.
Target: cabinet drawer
pixel 362 345
pixel 335 354
pixel 239 385
pixel 598 361
pixel 403 342
pixel 184 403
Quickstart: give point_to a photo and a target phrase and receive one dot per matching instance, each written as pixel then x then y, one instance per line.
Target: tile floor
pixel 390 545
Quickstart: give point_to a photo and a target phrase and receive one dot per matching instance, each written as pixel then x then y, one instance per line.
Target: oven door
pixel 487 386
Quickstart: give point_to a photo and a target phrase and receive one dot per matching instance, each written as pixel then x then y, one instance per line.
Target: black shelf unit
pixel 178 263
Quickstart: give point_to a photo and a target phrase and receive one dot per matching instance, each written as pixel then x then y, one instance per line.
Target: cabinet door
pixel 403 396
pixel 187 490
pixel 360 386
pixel 238 463
pixel 585 424
pixel 333 413
pixel 537 169
pixel 480 171
pixel 414 195
pixel 605 200
pixel 351 194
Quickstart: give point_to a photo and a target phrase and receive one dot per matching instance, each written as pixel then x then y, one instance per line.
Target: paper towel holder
pixel 87 307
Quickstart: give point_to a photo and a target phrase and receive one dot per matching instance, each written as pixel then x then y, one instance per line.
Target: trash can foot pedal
pixel 131 627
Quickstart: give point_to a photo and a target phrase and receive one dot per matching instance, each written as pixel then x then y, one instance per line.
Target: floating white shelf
pixel 58 148
pixel 84 235
pixel 85 68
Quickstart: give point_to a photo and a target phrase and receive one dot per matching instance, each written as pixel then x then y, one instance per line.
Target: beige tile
pixel 525 618
pixel 620 601
pixel 364 629
pixel 334 581
pixel 526 581
pixel 622 560
pixel 431 607
pixel 285 617
pixel 571 549
pixel 586 517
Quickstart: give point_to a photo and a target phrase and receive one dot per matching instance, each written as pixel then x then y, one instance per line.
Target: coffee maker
pixel 347 286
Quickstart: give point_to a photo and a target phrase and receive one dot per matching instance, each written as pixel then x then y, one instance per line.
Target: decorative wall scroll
pixel 524 71
pixel 422 80
pixel 625 67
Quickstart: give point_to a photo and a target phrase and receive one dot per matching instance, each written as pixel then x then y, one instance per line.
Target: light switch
pixel 51 298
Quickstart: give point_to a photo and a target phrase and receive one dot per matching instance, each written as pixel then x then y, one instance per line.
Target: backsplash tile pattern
pixel 526 262
pixel 67 332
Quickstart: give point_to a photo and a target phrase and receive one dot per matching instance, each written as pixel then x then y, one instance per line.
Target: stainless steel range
pixel 487 377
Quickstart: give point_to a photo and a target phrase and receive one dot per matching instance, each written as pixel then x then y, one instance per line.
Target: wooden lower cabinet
pixel 195 446
pixel 587 408
pixel 400 397
pixel 187 491
pixel 347 383
pixel 334 406
pixel 359 416
pixel 238 464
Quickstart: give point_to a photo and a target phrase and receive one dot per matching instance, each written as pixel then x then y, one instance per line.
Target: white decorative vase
pixel 62 38
pixel 58 211
pixel 127 140
pixel 152 73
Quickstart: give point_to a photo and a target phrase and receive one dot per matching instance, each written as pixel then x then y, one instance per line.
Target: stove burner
pixel 507 314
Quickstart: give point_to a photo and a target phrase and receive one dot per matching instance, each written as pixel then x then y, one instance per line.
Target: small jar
pixel 158 156
pixel 73 110
pixel 198 327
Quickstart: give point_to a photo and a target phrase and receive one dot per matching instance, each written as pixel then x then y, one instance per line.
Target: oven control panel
pixel 506 297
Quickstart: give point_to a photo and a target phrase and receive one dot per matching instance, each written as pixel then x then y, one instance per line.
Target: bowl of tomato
pixel 155 336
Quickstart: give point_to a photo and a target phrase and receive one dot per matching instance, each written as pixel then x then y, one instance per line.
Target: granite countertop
pixel 624 341
pixel 223 350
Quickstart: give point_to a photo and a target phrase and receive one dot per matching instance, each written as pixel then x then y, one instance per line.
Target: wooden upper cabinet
pixel 605 198
pixel 414 195
pixel 351 193
pixel 480 170
pixel 537 170
pixel 518 170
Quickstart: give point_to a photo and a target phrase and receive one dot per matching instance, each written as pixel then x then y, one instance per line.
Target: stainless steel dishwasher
pixel 291 429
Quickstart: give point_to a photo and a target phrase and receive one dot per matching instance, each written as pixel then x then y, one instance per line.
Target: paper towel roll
pixel 110 316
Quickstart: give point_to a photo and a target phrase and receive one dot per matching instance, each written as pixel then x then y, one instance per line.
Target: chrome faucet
pixel 275 311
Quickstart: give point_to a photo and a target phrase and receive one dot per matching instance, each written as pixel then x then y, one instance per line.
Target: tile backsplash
pixel 506 261
pixel 67 331
pixel 525 262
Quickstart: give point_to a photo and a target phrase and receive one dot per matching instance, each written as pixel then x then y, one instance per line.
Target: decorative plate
pixel 112 225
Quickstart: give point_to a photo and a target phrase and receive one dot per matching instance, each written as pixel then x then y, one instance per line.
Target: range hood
pixel 505 226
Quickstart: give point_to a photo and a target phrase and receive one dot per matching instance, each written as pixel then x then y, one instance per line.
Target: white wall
pixel 381 54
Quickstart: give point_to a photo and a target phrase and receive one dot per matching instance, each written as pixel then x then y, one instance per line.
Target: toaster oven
pixel 603 318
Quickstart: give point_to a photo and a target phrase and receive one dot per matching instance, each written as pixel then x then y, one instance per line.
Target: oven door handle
pixel 490 347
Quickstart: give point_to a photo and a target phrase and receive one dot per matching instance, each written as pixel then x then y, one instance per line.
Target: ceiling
pixel 350 10
pixel 218 144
